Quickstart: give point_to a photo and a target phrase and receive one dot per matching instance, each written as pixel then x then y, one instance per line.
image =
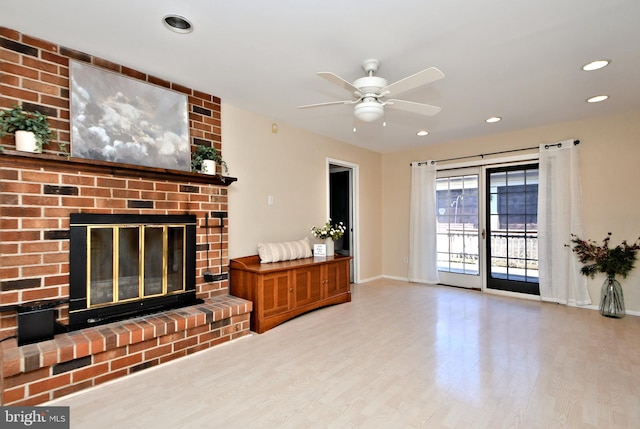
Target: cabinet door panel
pixel 275 293
pixel 337 278
pixel 307 285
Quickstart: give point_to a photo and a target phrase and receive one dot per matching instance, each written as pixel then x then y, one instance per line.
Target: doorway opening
pixel 342 198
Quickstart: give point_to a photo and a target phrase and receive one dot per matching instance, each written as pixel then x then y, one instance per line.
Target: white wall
pixel 291 166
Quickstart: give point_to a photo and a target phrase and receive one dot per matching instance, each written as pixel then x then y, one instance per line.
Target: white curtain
pixel 560 215
pixel 423 266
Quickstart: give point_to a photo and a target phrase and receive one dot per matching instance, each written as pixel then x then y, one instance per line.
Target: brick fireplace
pixel 123 265
pixel 40 192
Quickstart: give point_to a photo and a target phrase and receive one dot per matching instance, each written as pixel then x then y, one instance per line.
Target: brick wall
pixel 38 193
pixel 35 74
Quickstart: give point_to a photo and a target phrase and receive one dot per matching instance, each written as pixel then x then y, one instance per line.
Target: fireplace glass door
pixel 128 263
pixel 123 265
pixel 101 266
pixel 175 259
pixel 153 260
pixel 134 262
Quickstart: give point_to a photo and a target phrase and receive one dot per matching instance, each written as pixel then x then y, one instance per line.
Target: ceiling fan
pixel 370 93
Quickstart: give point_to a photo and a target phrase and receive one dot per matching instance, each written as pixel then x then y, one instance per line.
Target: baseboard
pixel 370 279
pixel 403 279
pixel 508 294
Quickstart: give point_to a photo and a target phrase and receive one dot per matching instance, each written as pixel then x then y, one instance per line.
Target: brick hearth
pixel 39 372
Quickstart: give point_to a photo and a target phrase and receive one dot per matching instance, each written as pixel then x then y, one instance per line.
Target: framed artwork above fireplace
pixel 125 120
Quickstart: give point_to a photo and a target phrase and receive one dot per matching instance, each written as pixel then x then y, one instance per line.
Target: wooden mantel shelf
pixel 116 169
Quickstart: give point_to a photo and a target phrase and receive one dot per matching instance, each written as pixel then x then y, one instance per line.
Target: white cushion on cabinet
pixel 285 251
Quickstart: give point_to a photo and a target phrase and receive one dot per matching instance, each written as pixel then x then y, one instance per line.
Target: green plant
pixel 327 230
pixel 602 259
pixel 17 119
pixel 206 152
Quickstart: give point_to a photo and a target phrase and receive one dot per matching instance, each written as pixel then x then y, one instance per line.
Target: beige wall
pixel 610 155
pixel 292 167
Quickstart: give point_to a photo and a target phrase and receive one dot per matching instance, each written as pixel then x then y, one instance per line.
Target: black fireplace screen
pixel 123 265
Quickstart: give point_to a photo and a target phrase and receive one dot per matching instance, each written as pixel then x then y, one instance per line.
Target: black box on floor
pixel 36 322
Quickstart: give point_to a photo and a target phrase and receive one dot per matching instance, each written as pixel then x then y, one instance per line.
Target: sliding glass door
pixel 487 236
pixel 512 229
pixel 458 217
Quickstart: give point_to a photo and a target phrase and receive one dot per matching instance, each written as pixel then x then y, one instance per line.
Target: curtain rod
pixel 482 155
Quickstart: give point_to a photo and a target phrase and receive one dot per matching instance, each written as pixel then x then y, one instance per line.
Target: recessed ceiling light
pixel 597 98
pixel 595 65
pixel 177 23
pixel 422 133
pixel 493 119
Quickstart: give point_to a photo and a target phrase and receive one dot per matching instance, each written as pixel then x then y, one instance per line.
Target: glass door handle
pixel 483 233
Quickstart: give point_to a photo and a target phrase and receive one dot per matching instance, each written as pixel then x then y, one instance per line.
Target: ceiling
pixel 514 59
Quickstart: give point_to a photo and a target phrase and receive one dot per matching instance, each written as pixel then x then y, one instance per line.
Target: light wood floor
pixel 399 355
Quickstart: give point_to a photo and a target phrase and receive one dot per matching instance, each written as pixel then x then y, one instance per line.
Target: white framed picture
pixel 319 250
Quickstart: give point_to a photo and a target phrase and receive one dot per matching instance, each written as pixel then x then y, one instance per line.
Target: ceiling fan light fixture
pixel 368 111
pixel 369 93
pixel 493 119
pixel 597 98
pixel 422 133
pixel 177 23
pixel 596 65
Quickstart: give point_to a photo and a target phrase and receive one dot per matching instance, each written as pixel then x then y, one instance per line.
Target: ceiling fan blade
pixel 330 103
pixel 337 80
pixel 415 80
pixel 410 106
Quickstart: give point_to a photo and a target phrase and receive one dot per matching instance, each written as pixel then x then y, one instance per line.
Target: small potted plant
pixel 204 159
pixel 31 129
pixel 329 232
pixel 610 261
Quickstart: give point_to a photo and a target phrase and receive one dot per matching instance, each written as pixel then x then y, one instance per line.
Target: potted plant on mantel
pixel 31 129
pixel 204 159
pixel 614 261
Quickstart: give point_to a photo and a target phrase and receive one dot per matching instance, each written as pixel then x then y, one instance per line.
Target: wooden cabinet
pixel 283 290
